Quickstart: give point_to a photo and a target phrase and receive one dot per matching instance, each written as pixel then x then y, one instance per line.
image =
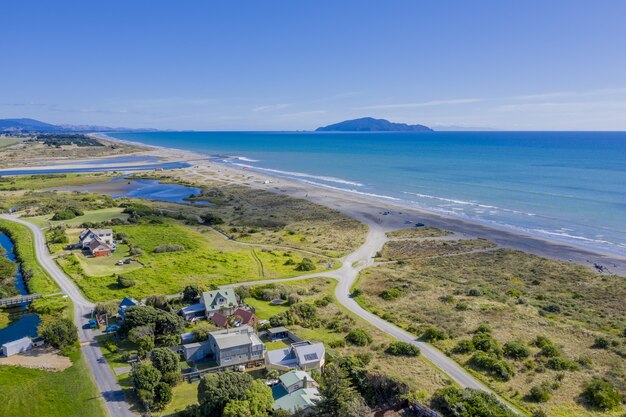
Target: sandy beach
pixel 386 213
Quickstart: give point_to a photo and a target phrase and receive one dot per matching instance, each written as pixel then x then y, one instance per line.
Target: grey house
pixel 230 347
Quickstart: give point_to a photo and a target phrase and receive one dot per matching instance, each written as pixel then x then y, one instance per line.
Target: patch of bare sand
pixel 47 359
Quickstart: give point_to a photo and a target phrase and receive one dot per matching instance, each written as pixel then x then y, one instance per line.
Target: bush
pixel 602 394
pixel 398 348
pixel 550 351
pixel 483 328
pixel 492 365
pixel 559 363
pixel 124 282
pixel 601 343
pixel 67 213
pixel 432 334
pixel 60 332
pixel 541 341
pixel 464 346
pixel 474 292
pixel 390 294
pixel 162 396
pixel 539 394
pixel 484 342
pixel 516 349
pixel 190 293
pixel 305 265
pixel 289 262
pixel 359 337
pixel 168 247
pixel 337 343
pixel 469 402
pixel 165 360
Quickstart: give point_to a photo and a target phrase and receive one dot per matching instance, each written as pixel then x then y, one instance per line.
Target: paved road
pixel 112 393
pixel 362 258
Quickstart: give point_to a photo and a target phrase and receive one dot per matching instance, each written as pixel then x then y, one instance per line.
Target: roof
pixel 129 302
pixel 193 308
pixel 293 377
pixel 96 232
pixel 297 354
pixel 225 339
pixel 211 299
pixel 297 400
pixel 19 342
pixel 275 330
pixel 97 244
pixel 221 320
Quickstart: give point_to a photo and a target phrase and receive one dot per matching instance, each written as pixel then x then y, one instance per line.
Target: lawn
pixel 8 141
pixel 33 392
pixel 39 181
pixel 94 216
pixel 183 395
pixel 206 258
pixel 520 296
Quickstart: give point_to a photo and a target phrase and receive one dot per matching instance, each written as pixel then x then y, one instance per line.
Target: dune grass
pixel 418 233
pixel 520 296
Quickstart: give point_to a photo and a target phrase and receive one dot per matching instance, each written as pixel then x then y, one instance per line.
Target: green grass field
pixel 94 216
pixel 37 182
pixel 207 259
pixel 33 392
pixel 8 141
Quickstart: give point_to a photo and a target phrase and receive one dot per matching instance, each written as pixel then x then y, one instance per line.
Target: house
pixel 98 242
pixel 297 390
pixel 17 346
pixel 125 304
pixel 230 347
pixel 241 317
pixel 192 311
pixel 236 346
pixel 222 300
pixel 301 355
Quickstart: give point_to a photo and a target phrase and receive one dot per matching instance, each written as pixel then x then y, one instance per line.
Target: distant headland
pixel 369 124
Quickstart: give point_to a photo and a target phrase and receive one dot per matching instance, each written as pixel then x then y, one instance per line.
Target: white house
pixel 301 355
pixel 17 346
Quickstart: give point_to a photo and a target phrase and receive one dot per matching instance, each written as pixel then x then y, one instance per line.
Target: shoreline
pixel 369 208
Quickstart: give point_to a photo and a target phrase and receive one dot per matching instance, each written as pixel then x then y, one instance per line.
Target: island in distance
pixel 369 124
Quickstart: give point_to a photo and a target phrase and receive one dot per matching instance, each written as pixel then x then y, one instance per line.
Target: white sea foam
pixel 243 158
pixel 302 175
pixel 492 209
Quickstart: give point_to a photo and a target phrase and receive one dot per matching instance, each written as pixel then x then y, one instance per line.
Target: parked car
pixel 419 224
pixel 127 261
pixel 93 324
pixel 120 262
pixel 112 328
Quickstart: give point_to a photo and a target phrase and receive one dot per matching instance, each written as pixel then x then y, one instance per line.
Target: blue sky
pixel 286 65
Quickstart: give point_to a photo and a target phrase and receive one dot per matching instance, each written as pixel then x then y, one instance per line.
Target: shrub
pixel 539 394
pixel 485 343
pixel 464 346
pixel 359 337
pixel 467 402
pixel 541 341
pixel 398 348
pixel 60 332
pixel 67 213
pixel 289 262
pixel 552 308
pixel 483 328
pixel 550 351
pixel 462 306
pixel 602 394
pixel 168 247
pixel 124 282
pixel 492 365
pixel 305 265
pixel 601 343
pixel 165 360
pixel 559 363
pixel 516 349
pixel 337 343
pixel 390 294
pixel 432 334
pixel 190 293
pixel 474 292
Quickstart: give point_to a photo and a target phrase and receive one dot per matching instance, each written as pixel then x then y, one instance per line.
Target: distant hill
pixel 369 124
pixel 32 125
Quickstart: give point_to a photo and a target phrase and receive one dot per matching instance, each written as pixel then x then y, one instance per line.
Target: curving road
pixel 111 391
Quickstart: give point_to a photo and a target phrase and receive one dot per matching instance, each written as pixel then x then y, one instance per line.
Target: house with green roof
pixel 223 300
pixel 297 390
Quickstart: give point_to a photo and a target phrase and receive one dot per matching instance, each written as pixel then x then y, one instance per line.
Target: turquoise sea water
pixel 567 186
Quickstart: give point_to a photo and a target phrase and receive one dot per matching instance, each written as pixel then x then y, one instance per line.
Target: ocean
pixel 565 186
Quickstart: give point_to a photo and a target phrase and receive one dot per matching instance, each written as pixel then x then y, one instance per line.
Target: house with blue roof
pixel 125 304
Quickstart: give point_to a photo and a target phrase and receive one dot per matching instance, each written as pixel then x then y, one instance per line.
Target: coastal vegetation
pixel 513 319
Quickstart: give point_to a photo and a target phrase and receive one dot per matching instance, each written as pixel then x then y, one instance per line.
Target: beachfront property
pixel 241 316
pixel 125 304
pixel 297 390
pixel 98 242
pixel 303 355
pixel 222 300
pixel 230 347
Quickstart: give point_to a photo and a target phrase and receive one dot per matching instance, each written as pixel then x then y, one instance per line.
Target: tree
pixel 110 308
pixel 539 394
pixel 145 377
pixel 143 336
pixel 237 408
pixel 201 331
pixel 158 301
pixel 260 399
pixel 602 394
pixel 432 334
pixel 165 360
pixel 60 332
pixel 190 293
pixel 359 337
pixel 168 323
pixel 305 265
pixel 337 397
pixel 162 395
pixel 218 389
pixel 125 282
